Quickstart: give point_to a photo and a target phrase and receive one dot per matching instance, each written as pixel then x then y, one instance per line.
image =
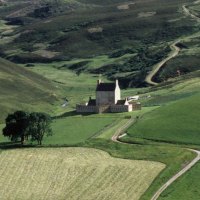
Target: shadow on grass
pixel 18 145
pixel 71 114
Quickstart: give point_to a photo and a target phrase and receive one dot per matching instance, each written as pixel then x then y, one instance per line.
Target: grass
pixel 109 132
pixel 176 122
pixel 184 184
pixel 73 130
pixel 60 174
pixel 122 30
pixel 173 157
pixel 22 89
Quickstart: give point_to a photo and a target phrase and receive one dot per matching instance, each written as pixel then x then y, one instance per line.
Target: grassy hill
pixel 176 122
pixel 22 89
pixel 87 29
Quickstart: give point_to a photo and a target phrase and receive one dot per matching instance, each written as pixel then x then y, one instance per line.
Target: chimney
pixel 98 81
pixel 117 82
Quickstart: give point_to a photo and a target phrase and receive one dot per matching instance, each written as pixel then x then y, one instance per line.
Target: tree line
pixel 27 126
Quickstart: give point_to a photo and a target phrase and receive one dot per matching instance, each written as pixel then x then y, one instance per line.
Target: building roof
pixel 106 87
pixel 121 102
pixel 92 102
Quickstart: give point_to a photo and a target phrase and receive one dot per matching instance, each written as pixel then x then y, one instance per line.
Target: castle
pixel 108 99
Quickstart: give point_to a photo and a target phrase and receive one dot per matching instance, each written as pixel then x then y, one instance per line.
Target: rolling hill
pixel 22 89
pixel 67 30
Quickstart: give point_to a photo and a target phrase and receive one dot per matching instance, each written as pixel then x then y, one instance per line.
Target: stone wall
pixel 103 109
pixel 86 109
pixel 120 108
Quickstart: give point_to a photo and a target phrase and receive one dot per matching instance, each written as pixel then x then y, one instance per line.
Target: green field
pixel 73 130
pixel 177 123
pixel 22 89
pixel 73 173
pixel 62 53
pixel 189 184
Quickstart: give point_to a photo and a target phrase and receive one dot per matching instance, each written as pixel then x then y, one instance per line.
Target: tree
pixel 39 125
pixel 16 126
pixel 22 125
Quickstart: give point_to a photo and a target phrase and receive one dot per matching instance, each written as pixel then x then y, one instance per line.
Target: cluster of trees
pixel 24 126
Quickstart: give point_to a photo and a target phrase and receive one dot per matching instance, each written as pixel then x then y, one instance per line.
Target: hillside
pixel 22 89
pixel 176 122
pixel 85 30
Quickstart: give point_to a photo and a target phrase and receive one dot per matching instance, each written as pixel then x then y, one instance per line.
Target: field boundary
pixel 116 137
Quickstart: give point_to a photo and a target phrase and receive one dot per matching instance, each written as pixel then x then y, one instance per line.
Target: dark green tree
pixel 21 125
pixel 39 125
pixel 17 126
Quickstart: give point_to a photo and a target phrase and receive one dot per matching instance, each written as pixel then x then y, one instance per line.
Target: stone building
pixel 108 99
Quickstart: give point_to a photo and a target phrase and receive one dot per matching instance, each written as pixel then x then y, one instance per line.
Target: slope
pixel 23 89
pixel 177 122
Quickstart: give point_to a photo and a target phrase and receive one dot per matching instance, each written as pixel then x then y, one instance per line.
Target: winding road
pixel 175 49
pixel 121 131
pixel 149 79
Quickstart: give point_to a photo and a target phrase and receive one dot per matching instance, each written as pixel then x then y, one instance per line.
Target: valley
pixel 52 54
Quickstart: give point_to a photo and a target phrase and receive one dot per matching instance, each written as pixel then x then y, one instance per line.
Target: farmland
pixel 185 114
pixel 60 56
pixel 60 173
pixel 184 184
pixel 73 130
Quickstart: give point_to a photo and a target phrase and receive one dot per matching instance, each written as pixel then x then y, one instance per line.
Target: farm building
pixel 108 99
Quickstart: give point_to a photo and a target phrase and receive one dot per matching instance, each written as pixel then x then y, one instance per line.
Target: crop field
pixel 73 173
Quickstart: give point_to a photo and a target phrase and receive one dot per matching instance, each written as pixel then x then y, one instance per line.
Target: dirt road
pixel 175 51
pixel 171 180
pixel 176 176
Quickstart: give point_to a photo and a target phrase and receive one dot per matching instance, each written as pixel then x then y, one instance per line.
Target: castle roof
pixel 106 87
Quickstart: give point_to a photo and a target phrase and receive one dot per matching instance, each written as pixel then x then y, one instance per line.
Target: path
pixel 120 131
pixel 175 50
pixel 176 176
pixel 187 12
pixel 156 68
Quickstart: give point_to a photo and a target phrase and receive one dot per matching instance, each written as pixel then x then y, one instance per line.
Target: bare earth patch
pixel 46 53
pixel 73 173
pixel 146 14
pixel 95 30
pixel 125 6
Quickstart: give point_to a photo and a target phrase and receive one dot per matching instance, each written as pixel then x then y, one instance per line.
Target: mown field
pixel 73 173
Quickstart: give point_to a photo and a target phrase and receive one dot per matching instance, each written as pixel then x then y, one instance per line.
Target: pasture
pixel 189 183
pixel 73 173
pixel 177 122
pixel 73 130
